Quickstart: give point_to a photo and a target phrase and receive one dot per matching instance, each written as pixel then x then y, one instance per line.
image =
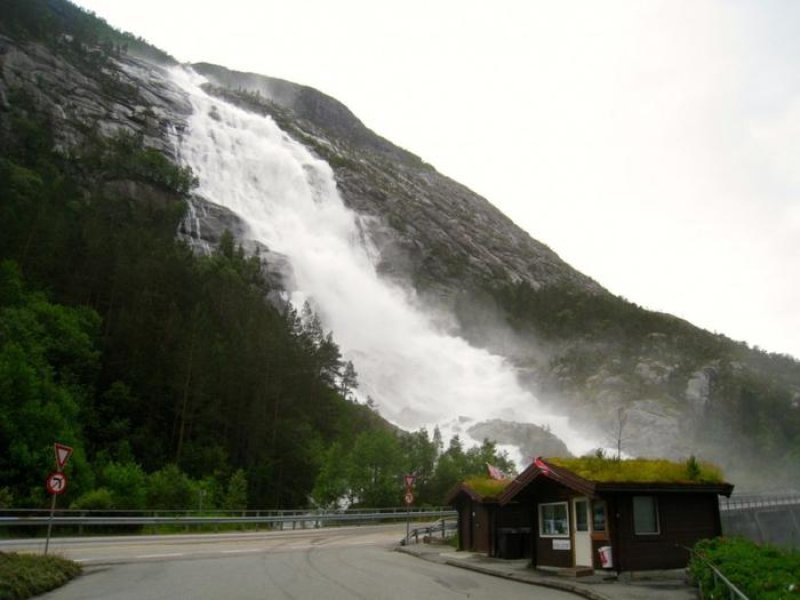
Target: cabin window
pixel 599 515
pixel 554 520
pixel 581 515
pixel 645 515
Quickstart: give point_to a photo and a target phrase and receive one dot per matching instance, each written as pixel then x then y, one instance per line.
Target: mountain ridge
pixel 669 386
pixel 474 240
pixel 682 389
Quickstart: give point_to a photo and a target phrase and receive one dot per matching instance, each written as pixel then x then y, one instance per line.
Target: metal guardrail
pixel 745 501
pixel 442 525
pixel 24 517
pixel 773 519
pixel 733 592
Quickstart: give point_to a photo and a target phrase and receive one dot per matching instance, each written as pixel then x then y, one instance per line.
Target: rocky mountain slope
pixel 649 382
pixel 429 228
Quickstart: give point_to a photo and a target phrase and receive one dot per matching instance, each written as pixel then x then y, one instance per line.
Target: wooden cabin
pixel 485 526
pixel 474 513
pixel 561 520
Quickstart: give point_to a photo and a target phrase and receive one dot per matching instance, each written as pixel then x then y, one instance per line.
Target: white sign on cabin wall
pixel 562 544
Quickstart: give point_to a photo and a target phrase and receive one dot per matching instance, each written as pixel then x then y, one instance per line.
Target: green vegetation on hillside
pixel 763 572
pixel 174 378
pixel 563 312
pixel 24 576
pixel 118 340
pixel 753 396
pixel 59 22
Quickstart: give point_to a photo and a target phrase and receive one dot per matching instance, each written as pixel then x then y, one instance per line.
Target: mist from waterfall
pixel 417 374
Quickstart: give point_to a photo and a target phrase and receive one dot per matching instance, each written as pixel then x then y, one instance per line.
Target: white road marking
pixel 160 555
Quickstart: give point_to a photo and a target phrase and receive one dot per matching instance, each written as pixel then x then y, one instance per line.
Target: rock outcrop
pixel 96 96
pixel 204 225
pixel 531 440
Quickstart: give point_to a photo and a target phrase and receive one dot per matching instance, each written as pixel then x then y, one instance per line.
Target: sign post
pixel 56 484
pixel 409 499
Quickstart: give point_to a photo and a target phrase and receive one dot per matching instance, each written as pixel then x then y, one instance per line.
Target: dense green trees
pixel 47 361
pixel 370 473
pixel 178 359
pixel 115 338
pixel 174 378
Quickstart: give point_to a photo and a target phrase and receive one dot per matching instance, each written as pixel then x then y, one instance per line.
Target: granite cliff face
pixel 96 96
pixel 429 228
pixel 659 387
pixel 451 245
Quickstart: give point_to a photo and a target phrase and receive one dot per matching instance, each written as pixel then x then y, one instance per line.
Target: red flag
pixel 495 473
pixel 541 465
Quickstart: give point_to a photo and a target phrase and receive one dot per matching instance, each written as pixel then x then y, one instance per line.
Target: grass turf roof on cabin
pixel 594 469
pixel 486 487
pixel 639 470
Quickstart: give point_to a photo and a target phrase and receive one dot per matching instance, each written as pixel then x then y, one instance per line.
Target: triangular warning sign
pixel 62 455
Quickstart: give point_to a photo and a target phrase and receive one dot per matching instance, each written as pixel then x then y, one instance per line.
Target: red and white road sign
pixel 62 455
pixel 410 479
pixel 56 483
pixel 409 498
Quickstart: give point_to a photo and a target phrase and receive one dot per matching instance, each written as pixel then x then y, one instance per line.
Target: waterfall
pixel 417 374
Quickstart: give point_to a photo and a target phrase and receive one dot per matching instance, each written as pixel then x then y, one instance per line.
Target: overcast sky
pixel 655 146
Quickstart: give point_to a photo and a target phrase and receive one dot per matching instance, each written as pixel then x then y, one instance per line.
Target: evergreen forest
pixel 181 379
pixel 173 377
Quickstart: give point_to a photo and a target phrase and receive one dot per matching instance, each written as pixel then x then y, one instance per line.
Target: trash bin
pixel 509 545
pixel 513 542
pixel 606 558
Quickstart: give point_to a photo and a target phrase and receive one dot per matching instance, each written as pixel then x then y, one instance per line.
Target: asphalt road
pixel 93 551
pixel 335 564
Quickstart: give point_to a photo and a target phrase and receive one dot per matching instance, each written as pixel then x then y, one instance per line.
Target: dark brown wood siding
pixel 684 518
pixel 513 531
pixel 544 555
pixel 480 528
pixel 464 525
pixel 473 526
pixel 515 516
pixel 602 537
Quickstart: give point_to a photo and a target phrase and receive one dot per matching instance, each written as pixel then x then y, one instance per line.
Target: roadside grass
pixel 26 575
pixel 764 572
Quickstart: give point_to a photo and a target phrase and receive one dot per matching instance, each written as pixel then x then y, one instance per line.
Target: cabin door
pixel 582 532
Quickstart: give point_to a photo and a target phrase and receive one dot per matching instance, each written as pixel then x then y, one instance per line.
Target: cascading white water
pixel 417 374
